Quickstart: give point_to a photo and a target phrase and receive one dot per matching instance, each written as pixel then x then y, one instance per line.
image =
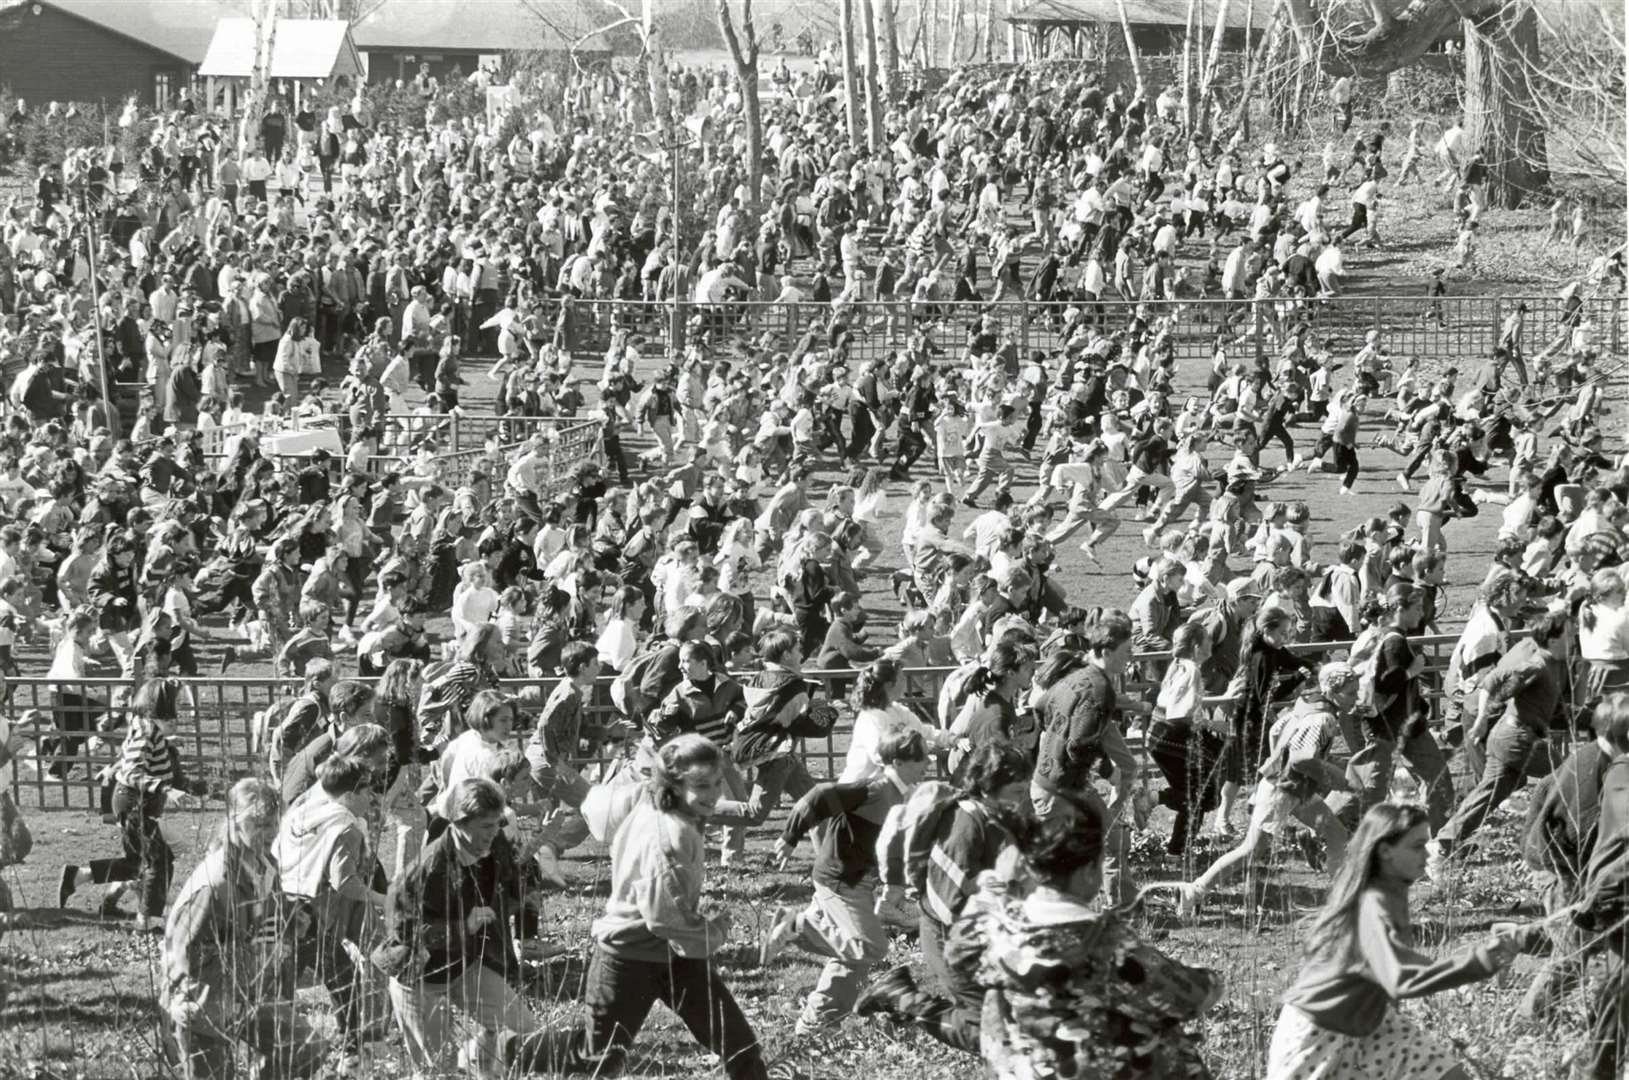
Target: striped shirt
pixel 147 761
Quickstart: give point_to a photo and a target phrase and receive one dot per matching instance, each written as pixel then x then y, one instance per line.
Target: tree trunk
pixel 1131 47
pixel 656 76
pixel 1253 62
pixel 955 32
pixel 989 30
pixel 873 82
pixel 745 55
pixel 851 79
pixel 1501 119
pixel 1012 35
pixel 265 19
pixel 887 32
pixel 1207 84
pixel 1187 70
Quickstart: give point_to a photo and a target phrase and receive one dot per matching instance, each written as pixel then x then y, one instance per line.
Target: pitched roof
pixel 1143 12
pixel 303 49
pixel 473 25
pixel 181 28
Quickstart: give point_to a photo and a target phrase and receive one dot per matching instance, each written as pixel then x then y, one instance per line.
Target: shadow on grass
pixel 116 1011
pixel 50 918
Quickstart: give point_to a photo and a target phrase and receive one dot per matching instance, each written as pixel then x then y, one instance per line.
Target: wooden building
pixel 1089 29
pixel 104 50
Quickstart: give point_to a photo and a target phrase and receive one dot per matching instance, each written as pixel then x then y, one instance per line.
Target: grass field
pixel 82 989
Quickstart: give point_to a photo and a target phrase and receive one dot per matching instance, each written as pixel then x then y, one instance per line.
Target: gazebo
pixel 304 51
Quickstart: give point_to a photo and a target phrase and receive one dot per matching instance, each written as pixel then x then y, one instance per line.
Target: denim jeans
pixel 1369 773
pixel 147 858
pixel 1514 752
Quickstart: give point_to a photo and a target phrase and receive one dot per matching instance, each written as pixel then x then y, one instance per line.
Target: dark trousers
pixel 1346 461
pixel 912 445
pixel 1609 1013
pixel 864 429
pixel 613 457
pixel 949 1011
pixel 74 716
pixel 1275 429
pixel 1190 760
pixel 322 951
pixel 1514 753
pixel 620 993
pixel 147 858
pixel 1360 221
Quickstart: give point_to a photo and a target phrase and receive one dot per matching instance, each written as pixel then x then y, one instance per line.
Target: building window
pixel 161 90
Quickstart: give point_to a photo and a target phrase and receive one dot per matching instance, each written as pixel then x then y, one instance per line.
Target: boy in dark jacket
pixel 841 921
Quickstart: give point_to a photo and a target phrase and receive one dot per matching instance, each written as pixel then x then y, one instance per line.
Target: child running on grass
pixel 656 941
pixel 841 921
pixel 1339 1018
pixel 1294 779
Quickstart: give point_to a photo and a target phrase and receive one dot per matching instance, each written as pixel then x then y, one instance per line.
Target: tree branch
pixel 1391 42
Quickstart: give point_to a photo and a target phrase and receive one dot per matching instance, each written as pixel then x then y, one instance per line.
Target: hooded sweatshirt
pixel 321 852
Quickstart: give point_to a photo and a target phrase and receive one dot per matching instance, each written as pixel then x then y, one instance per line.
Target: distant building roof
pixel 490 26
pixel 181 28
pixel 1143 12
pixel 303 49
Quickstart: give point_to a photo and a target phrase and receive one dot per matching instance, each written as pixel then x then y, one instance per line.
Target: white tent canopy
pixel 304 49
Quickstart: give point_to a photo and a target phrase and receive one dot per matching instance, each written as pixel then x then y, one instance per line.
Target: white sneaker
pixel 1402 482
pixel 1345 490
pixel 1086 550
pixel 1148 536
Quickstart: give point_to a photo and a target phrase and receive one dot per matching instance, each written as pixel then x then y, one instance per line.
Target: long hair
pixel 871 688
pixel 394 684
pixel 1333 930
pixel 674 758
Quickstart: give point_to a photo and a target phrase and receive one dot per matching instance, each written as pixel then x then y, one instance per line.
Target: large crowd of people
pixel 409 814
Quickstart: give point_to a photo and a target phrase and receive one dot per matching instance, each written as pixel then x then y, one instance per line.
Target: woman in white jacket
pixel 296 355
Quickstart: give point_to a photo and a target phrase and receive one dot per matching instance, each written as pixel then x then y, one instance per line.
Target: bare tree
pixel 1579 90
pixel 1214 61
pixel 1187 69
pixel 887 31
pixel 744 51
pixel 1131 48
pixel 265 14
pixel 1501 40
pixel 873 81
pixel 851 80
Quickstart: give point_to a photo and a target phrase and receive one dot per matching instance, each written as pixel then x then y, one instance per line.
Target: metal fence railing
pixel 55 721
pixel 1445 328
